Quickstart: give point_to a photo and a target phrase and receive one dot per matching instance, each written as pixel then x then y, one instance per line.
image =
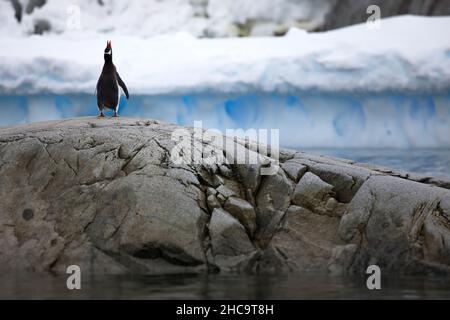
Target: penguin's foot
pixel 101 115
pixel 116 115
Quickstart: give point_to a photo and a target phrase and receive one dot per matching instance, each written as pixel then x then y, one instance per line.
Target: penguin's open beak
pixel 108 49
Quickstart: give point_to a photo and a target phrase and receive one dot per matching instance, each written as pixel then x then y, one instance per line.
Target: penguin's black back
pixel 107 88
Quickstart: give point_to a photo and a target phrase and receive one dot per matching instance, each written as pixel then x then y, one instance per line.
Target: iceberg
pixel 307 120
pixel 352 87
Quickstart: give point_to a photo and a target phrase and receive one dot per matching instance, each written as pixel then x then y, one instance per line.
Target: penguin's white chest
pixel 118 97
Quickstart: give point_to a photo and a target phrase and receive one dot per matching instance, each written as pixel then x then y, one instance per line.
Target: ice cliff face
pixel 202 18
pixel 382 120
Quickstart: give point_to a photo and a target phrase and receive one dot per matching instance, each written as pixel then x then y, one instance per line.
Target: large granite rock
pixel 105 194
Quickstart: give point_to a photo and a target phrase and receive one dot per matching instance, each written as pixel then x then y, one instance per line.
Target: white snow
pixel 408 53
pixel 9 25
pixel 224 13
pixel 156 17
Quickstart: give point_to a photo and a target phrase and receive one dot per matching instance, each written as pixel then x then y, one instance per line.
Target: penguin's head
pixel 108 51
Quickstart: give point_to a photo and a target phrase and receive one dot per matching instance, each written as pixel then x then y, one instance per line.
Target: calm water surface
pixel 306 286
pixel 431 162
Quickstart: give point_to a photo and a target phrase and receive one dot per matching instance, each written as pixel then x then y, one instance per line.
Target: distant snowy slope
pixel 200 18
pixel 407 53
pixel 146 18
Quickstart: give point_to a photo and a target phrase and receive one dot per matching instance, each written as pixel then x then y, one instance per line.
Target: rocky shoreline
pixel 103 194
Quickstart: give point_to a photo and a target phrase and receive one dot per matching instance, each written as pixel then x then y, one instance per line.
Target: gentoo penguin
pixel 109 85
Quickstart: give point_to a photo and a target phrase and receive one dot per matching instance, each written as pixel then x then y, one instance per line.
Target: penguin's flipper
pixel 122 85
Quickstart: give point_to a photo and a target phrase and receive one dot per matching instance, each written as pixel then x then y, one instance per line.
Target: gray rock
pixel 346 12
pixel 209 178
pixel 272 201
pixel 294 169
pixel 400 225
pixel 250 176
pixel 81 190
pixel 221 198
pixel 211 191
pixel 226 192
pixel 32 4
pixel 41 26
pixel 341 259
pixel 243 211
pixel 343 175
pixel 105 195
pixel 229 240
pixel 304 242
pixel 213 202
pixel 311 192
pixel 331 204
pixel 226 171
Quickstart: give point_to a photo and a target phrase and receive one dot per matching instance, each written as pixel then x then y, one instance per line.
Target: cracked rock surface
pixel 104 194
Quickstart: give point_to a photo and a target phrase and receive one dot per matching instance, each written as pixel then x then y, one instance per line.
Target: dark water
pixel 430 162
pixel 305 286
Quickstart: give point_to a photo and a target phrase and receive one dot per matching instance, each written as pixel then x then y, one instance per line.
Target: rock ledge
pixel 104 194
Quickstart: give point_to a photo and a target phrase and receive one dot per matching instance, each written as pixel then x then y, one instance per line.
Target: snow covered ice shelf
pixel 407 54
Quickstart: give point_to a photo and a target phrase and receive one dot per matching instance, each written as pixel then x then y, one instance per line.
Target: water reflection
pixel 306 286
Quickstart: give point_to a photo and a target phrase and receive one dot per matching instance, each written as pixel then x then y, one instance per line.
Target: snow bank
pixel 142 17
pixel 407 54
pixel 146 18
